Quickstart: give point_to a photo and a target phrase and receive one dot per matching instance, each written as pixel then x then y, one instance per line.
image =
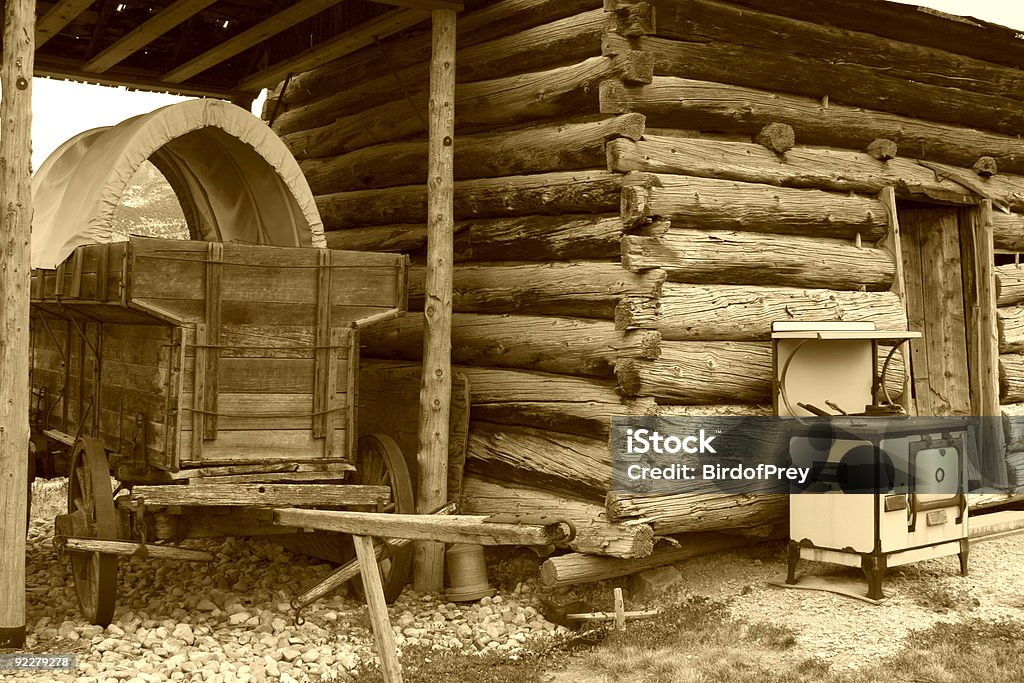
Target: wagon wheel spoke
pixel 89 491
pixel 379 461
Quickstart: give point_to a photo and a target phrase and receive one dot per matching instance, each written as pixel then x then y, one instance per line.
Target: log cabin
pixel 640 189
pixel 643 187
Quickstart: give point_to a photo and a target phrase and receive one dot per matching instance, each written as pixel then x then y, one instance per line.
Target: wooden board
pixel 935 305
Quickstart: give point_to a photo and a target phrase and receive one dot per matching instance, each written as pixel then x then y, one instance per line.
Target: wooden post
pixel 993 461
pixel 15 224
pixel 436 386
pixel 378 607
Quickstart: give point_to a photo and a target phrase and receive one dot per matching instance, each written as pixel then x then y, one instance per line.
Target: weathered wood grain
pixel 587 289
pixel 746 313
pixel 725 257
pixel 594 534
pixel 729 205
pixel 670 102
pixel 551 146
pixel 564 192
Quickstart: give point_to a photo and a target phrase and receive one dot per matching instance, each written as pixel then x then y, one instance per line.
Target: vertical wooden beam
pixel 993 461
pixel 378 607
pixel 894 246
pixel 436 386
pixel 15 274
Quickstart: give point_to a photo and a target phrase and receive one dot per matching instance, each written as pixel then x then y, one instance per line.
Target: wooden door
pixel 934 282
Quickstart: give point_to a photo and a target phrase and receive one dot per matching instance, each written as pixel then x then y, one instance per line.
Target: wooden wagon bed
pixel 180 355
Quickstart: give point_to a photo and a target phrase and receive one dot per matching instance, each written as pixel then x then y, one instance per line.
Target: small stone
pixel 183 632
pixel 206 605
pixel 239 618
pixel 652 582
pixel 290 654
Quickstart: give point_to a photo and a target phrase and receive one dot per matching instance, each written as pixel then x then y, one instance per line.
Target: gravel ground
pixel 231 620
pixel 851 633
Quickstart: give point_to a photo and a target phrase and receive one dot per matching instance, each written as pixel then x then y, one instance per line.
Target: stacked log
pixel 623 243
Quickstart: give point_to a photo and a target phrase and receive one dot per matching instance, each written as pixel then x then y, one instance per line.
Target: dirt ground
pixel 850 633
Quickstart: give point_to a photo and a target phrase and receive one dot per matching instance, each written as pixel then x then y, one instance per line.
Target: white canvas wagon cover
pixel 232 175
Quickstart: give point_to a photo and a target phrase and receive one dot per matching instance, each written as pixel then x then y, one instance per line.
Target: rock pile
pixel 231 620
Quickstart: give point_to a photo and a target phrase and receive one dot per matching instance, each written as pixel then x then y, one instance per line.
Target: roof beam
pixel 345 43
pixel 423 4
pixel 143 35
pixel 59 16
pixel 300 11
pixel 62 69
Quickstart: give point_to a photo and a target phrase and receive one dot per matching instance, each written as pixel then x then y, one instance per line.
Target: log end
pixel 778 137
pixel 630 126
pixel 634 205
pixel 882 149
pixel 613 98
pixel 637 312
pixel 634 66
pixel 631 19
pixel 627 374
pixel 648 343
pixel 986 167
pixel 549 573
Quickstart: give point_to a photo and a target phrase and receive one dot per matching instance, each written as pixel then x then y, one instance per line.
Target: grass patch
pixel 961 652
pixel 531 665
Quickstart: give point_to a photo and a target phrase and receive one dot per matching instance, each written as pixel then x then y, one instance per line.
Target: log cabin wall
pixel 642 188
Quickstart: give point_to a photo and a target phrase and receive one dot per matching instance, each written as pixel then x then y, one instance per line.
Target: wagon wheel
pixel 379 461
pixel 89 491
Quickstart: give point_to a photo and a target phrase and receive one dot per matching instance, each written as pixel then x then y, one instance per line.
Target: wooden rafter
pixel 143 35
pixel 423 4
pixel 59 16
pixel 343 44
pixel 300 11
pixel 52 67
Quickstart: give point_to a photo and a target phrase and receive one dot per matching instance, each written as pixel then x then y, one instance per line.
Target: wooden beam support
pixel 436 386
pixel 285 19
pixel 16 218
pixel 145 34
pixel 59 15
pixel 350 41
pixel 266 495
pixel 132 549
pixel 422 527
pixel 384 639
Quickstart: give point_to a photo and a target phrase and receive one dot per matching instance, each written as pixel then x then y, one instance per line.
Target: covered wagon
pixel 213 377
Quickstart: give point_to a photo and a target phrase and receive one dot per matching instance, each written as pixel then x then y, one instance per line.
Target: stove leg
pixel 874 568
pixel 965 552
pixel 793 558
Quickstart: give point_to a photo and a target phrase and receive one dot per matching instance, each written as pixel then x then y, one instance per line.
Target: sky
pixel 62 109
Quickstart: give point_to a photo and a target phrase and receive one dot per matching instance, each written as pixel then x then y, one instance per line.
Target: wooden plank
pixel 362 35
pixel 258 411
pixel 323 357
pixel 255 446
pixel 143 35
pixel 912 273
pixel 455 529
pixel 16 69
pixel 212 319
pixel 132 549
pixel 198 389
pixel 436 391
pixel 254 35
pixel 260 494
pixel 378 608
pixel 57 17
